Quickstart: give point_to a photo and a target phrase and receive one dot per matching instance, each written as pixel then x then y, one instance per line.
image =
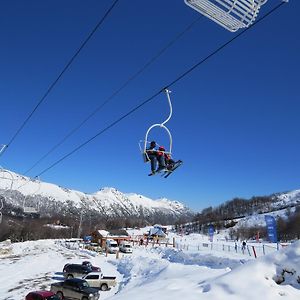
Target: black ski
pixel 177 165
pixel 160 172
pixel 167 172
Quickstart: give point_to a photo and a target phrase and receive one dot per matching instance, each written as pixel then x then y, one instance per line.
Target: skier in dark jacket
pixel 155 157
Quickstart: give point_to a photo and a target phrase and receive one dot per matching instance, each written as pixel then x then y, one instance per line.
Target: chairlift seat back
pixel 145 157
pixel 231 14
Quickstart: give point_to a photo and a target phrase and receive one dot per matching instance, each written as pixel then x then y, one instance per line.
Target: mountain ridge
pixel 47 198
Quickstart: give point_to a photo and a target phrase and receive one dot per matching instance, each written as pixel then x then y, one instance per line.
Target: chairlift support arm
pixel 162 125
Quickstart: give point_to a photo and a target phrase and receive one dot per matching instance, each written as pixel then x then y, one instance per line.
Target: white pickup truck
pixel 97 280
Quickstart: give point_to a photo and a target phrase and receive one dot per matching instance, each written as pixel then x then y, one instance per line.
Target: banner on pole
pixel 271 228
pixel 211 231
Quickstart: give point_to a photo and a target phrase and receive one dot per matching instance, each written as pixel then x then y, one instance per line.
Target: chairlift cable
pixel 125 84
pixel 62 72
pixel 161 90
pixel 101 132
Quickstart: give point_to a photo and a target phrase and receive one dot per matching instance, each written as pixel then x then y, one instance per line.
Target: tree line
pixel 226 215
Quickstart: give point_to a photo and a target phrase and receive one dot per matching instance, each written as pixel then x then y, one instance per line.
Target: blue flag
pixel 271 228
pixel 211 231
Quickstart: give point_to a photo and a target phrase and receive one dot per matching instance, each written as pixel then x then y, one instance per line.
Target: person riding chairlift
pixel 156 156
pixel 169 162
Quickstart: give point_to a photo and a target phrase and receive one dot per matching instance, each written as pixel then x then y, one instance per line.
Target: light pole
pixel 80 223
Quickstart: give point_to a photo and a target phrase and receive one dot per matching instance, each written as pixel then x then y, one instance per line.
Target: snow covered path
pixel 157 273
pixel 35 265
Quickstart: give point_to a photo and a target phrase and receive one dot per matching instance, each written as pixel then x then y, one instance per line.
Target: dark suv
pixel 76 270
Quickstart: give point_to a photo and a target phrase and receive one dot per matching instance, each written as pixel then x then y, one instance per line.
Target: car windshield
pixel 85 284
pixel 128 246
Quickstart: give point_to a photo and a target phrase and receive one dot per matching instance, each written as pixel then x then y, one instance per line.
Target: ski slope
pixel 157 272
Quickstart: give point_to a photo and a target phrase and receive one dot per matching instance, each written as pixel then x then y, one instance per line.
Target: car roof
pixel 94 273
pixel 82 266
pixel 74 280
pixel 43 293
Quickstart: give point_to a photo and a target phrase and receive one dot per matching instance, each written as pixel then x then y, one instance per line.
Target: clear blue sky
pixel 236 118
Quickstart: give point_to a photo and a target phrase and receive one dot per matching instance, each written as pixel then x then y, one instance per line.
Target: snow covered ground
pixel 159 272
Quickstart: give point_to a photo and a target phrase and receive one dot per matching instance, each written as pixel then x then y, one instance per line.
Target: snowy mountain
pixel 287 199
pixel 49 199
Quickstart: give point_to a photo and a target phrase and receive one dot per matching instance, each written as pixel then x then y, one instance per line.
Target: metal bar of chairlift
pixel 161 125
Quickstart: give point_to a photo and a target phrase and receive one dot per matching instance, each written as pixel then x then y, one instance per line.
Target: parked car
pixel 77 289
pixel 76 270
pixel 111 246
pixel 125 247
pixel 94 247
pixel 89 264
pixel 41 295
pixel 97 280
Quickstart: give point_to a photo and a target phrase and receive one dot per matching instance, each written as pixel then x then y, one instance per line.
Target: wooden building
pixel 100 236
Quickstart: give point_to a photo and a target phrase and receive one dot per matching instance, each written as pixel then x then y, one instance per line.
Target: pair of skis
pixel 167 172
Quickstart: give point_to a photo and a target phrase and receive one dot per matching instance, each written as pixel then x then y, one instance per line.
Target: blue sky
pixel 235 121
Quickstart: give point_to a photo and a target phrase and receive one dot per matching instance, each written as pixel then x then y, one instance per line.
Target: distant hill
pixel 50 200
pixel 238 208
pixel 246 217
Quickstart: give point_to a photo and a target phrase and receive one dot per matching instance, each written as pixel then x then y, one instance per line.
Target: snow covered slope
pixel 22 191
pixel 157 272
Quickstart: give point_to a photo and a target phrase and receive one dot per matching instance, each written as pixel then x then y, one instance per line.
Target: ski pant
pixel 154 159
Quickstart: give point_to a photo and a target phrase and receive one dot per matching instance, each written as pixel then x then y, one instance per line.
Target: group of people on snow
pixel 159 156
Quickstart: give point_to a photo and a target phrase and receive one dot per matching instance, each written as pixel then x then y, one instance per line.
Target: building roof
pixel 104 233
pixel 157 231
pixel 113 233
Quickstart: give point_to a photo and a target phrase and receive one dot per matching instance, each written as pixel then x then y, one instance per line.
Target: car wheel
pixel 60 295
pixel 70 276
pixel 104 287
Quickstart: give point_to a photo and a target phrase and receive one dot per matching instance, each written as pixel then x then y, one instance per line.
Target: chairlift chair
pixel 2 148
pixel 7 188
pixel 1 206
pixel 31 209
pixel 144 143
pixel 231 14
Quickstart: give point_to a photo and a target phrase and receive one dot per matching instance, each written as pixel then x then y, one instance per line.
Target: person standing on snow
pixel 244 246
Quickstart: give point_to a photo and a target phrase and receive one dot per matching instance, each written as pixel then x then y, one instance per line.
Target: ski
pixel 165 172
pixel 177 165
pixel 160 172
